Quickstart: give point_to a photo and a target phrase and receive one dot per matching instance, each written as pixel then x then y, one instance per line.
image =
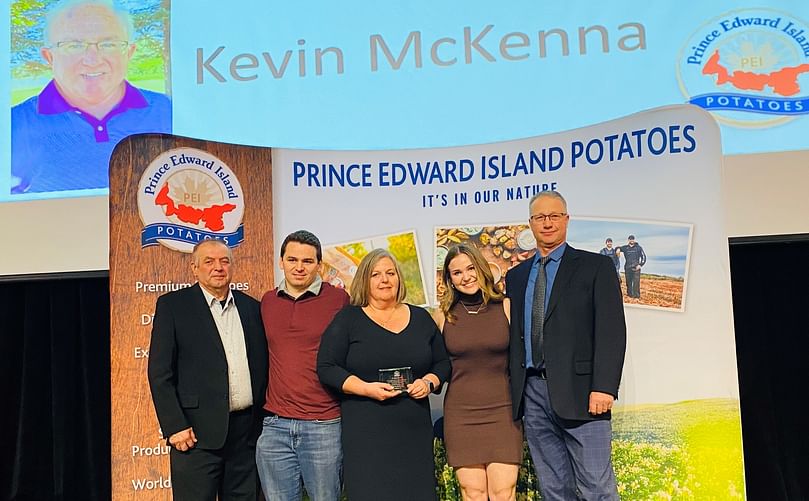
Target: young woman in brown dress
pixel 484 443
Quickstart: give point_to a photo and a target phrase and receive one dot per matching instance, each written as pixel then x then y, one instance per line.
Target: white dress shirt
pixel 229 325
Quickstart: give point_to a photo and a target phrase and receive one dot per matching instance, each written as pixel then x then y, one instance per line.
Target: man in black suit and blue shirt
pixel 568 339
pixel 208 373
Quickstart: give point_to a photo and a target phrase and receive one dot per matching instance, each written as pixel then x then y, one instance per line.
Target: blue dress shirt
pixel 551 268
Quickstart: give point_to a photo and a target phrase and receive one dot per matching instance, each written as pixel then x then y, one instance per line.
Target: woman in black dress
pixel 386 433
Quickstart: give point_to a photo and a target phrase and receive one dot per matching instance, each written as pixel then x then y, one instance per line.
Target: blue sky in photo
pixel 665 245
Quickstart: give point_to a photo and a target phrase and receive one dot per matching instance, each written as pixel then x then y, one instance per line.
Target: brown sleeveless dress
pixel 478 428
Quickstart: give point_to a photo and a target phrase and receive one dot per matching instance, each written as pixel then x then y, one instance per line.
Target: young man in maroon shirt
pixel 300 440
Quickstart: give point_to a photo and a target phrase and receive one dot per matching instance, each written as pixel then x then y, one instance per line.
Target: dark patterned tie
pixel 538 314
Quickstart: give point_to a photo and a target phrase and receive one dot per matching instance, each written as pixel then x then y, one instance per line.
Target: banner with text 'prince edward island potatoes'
pixel 655 176
pixel 166 194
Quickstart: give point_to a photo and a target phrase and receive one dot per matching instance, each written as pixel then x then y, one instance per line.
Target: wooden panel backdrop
pixel 140 466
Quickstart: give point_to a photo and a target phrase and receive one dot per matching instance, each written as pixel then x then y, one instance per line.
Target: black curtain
pixel 54 382
pixel 771 314
pixel 54 379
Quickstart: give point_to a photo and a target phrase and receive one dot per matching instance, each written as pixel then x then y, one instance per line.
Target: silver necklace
pixel 385 322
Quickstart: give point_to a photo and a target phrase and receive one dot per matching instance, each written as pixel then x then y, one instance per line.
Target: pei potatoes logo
pixel 187 195
pixel 749 67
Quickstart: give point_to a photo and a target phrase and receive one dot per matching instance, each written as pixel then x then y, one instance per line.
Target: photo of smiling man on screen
pixel 62 138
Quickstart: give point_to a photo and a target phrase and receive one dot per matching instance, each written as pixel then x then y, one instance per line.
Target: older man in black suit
pixel 208 373
pixel 568 339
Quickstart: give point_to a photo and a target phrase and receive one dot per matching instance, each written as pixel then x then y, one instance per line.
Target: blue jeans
pixel 293 450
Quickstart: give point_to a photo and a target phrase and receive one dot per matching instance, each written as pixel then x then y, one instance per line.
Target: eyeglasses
pixel 75 47
pixel 554 217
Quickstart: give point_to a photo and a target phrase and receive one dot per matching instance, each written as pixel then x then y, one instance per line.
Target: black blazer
pixel 584 336
pixel 188 371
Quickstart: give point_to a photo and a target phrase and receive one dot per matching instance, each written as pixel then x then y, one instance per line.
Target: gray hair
pixel 547 193
pixel 210 241
pixel 66 6
pixel 361 285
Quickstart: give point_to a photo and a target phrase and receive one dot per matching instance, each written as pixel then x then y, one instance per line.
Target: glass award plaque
pixel 398 377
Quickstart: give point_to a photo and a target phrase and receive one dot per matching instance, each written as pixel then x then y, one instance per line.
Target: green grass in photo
pixel 403 248
pixel 690 451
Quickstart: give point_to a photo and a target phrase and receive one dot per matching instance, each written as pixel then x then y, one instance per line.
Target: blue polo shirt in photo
pixel 56 146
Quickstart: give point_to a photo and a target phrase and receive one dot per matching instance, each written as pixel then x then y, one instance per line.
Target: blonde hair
pixel 484 274
pixel 361 285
